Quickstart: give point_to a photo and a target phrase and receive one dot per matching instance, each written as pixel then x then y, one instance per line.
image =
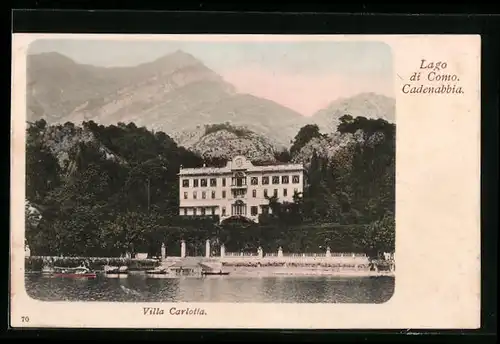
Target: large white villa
pixel 237 190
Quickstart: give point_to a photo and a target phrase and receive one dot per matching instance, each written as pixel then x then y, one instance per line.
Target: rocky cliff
pixel 224 141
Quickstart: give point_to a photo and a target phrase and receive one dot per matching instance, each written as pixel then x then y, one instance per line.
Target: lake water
pixel 139 288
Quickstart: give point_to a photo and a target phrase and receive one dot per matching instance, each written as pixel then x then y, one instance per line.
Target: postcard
pixel 245 181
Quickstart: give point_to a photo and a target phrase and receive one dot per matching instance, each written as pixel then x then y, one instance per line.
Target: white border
pixel 437 209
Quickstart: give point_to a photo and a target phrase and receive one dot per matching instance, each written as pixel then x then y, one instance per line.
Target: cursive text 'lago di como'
pixel 438 80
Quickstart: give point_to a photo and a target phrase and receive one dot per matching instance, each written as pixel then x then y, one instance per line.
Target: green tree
pixel 42 172
pixel 380 236
pixel 283 156
pixel 134 231
pixel 305 134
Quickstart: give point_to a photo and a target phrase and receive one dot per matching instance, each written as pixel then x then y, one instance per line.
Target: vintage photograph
pixel 210 171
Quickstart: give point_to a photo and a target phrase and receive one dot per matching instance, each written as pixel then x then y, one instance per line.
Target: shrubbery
pixel 240 132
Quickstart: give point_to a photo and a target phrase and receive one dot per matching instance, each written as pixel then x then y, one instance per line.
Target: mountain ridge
pixel 169 94
pixel 173 93
pixel 366 104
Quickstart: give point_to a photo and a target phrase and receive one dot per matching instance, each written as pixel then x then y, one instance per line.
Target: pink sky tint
pixel 303 93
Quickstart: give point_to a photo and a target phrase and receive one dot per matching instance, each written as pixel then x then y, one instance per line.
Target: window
pixel 265 192
pixel 195 183
pixel 254 181
pixel 203 195
pixel 213 194
pixel 296 179
pixel 185 195
pixel 185 211
pixel 213 211
pixel 239 208
pixel 239 192
pixel 223 181
pixel 295 191
pixel 185 183
pixel 203 183
pixel 239 181
pixel 194 194
pixel 276 179
pixel 275 192
pixel 265 209
pixel 284 180
pixel 253 211
pixel 224 194
pixel 213 182
pixel 194 211
pixel 203 211
pixel 254 193
pixel 223 211
pixel 285 192
pixel 265 180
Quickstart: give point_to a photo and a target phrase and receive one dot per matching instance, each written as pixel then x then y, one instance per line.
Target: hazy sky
pixel 305 76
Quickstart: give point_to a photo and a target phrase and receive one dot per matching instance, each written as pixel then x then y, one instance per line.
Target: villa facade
pixel 237 190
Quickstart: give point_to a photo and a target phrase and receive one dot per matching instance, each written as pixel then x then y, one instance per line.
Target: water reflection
pixel 283 289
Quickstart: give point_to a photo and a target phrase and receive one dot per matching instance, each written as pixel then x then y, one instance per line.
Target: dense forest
pixel 106 190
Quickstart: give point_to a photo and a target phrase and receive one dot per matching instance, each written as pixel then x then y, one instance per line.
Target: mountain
pixel 369 105
pixel 63 142
pixel 224 141
pixel 326 147
pixel 173 94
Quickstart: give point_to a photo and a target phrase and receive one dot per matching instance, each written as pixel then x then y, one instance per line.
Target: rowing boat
pixel 78 272
pixel 214 273
pixel 116 270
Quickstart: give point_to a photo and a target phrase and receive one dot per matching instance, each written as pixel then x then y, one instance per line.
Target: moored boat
pixel 78 272
pixel 157 271
pixel 47 271
pixel 116 270
pixel 213 273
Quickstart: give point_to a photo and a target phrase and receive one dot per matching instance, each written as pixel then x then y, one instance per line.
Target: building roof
pixel 240 163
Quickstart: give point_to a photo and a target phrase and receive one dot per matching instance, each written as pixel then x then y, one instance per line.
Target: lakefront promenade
pixel 256 263
pixel 281 263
